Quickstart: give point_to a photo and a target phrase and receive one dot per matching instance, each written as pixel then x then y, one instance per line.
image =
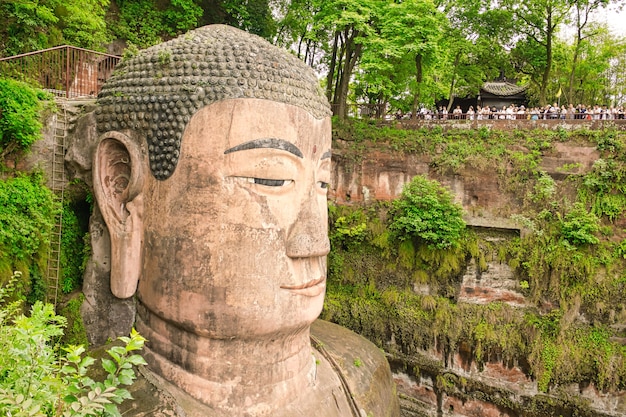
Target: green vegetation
pixel 75 333
pixel 580 227
pixel 389 56
pixel 425 211
pixel 75 245
pixel 43 370
pixel 148 22
pixel 29 25
pixel 38 378
pixel 20 106
pixel 27 210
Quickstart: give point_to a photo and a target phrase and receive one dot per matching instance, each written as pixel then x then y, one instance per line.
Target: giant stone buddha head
pixel 211 173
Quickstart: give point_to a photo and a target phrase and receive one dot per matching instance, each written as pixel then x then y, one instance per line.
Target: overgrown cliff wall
pixel 524 318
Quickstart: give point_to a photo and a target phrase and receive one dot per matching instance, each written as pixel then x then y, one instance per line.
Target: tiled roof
pixel 503 88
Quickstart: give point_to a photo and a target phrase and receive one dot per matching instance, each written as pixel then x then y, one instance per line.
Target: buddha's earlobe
pixel 118 180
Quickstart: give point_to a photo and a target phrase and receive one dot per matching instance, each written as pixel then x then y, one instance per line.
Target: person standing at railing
pixel 554 111
pixel 470 113
pixel 534 113
pixel 479 113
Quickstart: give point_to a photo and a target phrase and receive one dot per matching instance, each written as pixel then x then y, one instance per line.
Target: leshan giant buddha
pixel 211 173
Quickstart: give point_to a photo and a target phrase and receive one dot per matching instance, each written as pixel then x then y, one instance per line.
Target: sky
pixel 615 19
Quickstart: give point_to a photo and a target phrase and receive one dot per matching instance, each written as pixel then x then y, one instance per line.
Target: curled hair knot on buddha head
pixel 156 92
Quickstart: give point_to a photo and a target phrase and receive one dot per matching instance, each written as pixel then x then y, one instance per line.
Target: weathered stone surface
pixel 338 352
pixel 81 142
pixel 379 175
pixel 569 159
pixel 40 155
pixel 105 316
pixel 497 283
pixel 364 367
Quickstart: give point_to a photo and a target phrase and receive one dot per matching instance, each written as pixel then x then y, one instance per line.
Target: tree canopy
pixel 393 55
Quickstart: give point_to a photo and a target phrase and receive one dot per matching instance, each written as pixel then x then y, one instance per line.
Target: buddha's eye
pixel 322 184
pixel 269 183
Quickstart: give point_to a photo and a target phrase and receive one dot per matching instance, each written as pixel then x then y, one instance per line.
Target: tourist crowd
pixel 513 112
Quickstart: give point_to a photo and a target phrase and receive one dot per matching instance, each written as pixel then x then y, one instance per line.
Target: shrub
pixel 426 212
pixel 544 189
pixel 579 226
pixel 348 228
pixel 20 126
pixel 36 380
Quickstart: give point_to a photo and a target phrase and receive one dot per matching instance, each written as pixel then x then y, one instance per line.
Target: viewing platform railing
pixel 376 111
pixel 65 71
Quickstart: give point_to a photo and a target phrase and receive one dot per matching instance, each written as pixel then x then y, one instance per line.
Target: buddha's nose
pixel 308 236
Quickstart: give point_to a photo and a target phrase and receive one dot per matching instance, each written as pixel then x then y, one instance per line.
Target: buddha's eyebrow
pixel 267 143
pixel 327 154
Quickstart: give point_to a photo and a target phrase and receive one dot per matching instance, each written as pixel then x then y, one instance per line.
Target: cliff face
pixel 380 174
pixel 439 377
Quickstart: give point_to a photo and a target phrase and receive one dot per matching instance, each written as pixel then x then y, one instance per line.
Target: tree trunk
pixel 546 73
pixel 331 69
pixel 419 78
pixel 351 57
pixel 451 94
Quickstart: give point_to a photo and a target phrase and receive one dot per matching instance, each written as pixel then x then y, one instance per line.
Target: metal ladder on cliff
pixel 57 184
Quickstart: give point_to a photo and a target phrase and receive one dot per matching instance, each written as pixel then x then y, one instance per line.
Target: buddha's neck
pixel 235 376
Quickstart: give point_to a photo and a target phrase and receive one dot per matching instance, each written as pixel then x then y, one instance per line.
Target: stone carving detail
pixel 157 91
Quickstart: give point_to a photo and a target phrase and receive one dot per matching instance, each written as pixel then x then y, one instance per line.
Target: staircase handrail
pixel 64 70
pixel 55 48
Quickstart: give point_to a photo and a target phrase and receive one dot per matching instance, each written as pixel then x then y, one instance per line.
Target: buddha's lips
pixel 311 288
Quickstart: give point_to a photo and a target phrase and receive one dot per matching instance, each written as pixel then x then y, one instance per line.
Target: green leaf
pixel 109 366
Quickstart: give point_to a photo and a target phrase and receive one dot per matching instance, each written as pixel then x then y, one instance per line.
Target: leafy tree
pixel 147 22
pixel 349 22
pixel 597 72
pixel 406 45
pixel 582 10
pixel 82 23
pixel 427 212
pixel 25 26
pixel 27 209
pixel 538 22
pixel 474 46
pixel 296 30
pixel 254 16
pixel 30 25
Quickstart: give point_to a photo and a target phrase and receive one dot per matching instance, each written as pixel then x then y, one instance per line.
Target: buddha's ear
pixel 118 175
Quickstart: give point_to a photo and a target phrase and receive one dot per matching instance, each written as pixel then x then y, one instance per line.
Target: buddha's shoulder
pixel 351 378
pixel 360 365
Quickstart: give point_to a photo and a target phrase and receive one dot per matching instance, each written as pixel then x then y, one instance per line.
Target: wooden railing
pixel 66 71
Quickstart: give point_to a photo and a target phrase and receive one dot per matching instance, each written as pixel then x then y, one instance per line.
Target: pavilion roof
pixel 503 88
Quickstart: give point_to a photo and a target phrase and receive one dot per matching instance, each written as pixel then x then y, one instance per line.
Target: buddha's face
pixel 235 240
